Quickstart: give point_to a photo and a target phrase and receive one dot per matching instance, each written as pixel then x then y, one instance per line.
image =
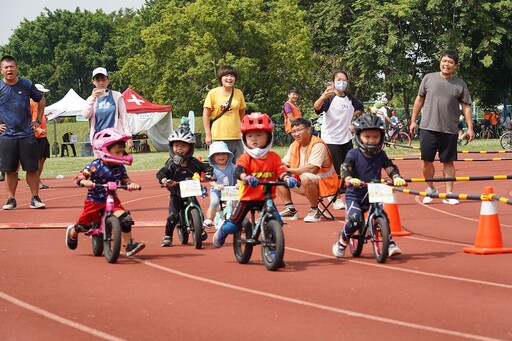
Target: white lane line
pixel 416 272
pixel 59 319
pixel 316 305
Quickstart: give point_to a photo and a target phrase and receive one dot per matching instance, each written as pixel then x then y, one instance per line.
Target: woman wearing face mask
pixel 339 107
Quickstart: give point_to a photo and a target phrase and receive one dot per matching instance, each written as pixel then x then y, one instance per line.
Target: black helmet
pixel 369 121
pixel 183 135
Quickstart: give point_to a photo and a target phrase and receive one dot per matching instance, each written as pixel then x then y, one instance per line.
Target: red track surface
pixel 432 291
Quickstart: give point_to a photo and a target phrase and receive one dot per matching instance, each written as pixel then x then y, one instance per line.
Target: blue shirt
pixel 15 108
pixel 105 112
pixel 100 173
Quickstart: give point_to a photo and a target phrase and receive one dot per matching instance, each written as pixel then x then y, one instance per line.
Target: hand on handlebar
pixel 398 182
pixel 87 183
pixel 291 182
pixel 133 187
pixel 355 182
pixel 252 181
pixel 169 183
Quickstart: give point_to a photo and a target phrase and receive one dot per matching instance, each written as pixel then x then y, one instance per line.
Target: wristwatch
pixel 37 121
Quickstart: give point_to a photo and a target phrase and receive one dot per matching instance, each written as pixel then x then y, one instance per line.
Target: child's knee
pixel 229 227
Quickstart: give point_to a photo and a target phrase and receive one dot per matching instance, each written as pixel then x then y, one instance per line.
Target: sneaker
pixel 166 241
pixel 43 186
pixel 338 204
pixel 288 214
pixel 450 201
pixel 2 176
pixel 338 249
pixel 393 250
pixel 204 235
pixel 207 223
pixel 134 247
pixel 313 216
pixel 218 239
pixel 71 242
pixel 10 204
pixel 36 202
pixel 430 191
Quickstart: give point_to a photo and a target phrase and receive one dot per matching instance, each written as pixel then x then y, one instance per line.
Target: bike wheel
pixel 183 234
pixel 506 140
pixel 356 243
pixel 97 244
pixel 380 239
pixel 404 138
pixel 272 249
pixel 196 226
pixel 112 239
pixel 242 250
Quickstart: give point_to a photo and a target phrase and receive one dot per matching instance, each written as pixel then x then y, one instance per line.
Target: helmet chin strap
pixel 258 153
pixel 178 159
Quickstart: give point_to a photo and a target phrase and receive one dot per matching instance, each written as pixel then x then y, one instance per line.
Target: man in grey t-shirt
pixel 441 94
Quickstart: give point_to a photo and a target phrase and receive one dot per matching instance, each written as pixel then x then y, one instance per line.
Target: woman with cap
pixel 41 135
pixel 106 108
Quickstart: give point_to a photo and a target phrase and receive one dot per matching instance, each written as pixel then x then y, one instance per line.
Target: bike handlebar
pixel 111 186
pixel 273 183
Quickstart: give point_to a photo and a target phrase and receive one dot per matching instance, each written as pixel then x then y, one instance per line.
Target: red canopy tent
pixel 156 119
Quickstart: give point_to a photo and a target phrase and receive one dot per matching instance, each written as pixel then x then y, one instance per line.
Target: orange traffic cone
pixel 488 236
pixel 394 218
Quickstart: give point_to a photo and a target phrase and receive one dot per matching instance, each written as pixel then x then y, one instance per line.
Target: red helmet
pixel 256 121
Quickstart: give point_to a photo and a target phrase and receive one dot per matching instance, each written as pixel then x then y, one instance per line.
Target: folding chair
pixel 323 207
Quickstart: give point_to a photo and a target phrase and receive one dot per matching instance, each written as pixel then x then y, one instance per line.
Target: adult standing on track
pixel 340 107
pixel 291 111
pixel 223 110
pixel 106 108
pixel 440 95
pixel 17 141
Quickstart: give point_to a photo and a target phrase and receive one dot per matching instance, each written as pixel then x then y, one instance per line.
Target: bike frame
pixel 109 208
pixel 190 202
pixel 375 210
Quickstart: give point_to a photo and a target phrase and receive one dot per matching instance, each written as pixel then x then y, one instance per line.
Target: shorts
pixel 312 177
pixel 432 142
pixel 214 199
pixel 93 210
pixel 338 154
pixel 22 150
pixel 44 148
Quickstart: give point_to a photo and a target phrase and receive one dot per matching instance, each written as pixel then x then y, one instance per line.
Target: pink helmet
pixel 108 137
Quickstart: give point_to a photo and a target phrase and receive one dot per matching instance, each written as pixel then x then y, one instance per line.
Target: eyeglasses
pixel 298 131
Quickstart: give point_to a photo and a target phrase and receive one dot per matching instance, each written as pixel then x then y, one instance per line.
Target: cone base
pixel 400 233
pixel 487 250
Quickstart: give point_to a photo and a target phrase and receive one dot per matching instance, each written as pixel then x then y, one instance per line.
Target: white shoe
pixel 450 201
pixel 314 216
pixel 338 204
pixel 394 250
pixel 207 223
pixel 430 191
pixel 288 214
pixel 338 250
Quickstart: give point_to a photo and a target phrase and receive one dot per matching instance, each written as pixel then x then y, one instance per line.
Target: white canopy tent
pixel 70 105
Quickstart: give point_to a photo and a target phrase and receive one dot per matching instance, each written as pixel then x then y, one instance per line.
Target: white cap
pixel 41 88
pixel 100 71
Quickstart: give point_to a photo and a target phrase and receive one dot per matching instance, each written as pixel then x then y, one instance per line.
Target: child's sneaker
pixel 338 249
pixel 10 204
pixel 430 191
pixel 314 216
pixel 36 202
pixel 288 214
pixel 393 250
pixel 134 247
pixel 207 223
pixel 71 242
pixel 166 241
pixel 219 238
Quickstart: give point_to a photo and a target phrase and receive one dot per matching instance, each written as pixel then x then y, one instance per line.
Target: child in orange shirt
pixel 257 164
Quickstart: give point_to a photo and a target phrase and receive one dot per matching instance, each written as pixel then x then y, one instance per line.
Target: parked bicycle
pixel 191 217
pixel 506 140
pixel 268 227
pixel 375 229
pixel 106 234
pixel 396 134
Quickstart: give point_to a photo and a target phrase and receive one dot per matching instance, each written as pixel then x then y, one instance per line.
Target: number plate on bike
pixel 190 188
pixel 229 193
pixel 380 193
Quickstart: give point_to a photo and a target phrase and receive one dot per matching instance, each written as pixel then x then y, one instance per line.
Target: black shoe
pixel 134 247
pixel 204 236
pixel 71 242
pixel 2 176
pixel 10 204
pixel 36 202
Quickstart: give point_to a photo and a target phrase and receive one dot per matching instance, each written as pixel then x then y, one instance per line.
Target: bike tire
pixel 112 239
pixel 272 249
pixel 242 250
pixel 380 239
pixel 356 243
pixel 506 140
pixel 196 226
pixel 97 244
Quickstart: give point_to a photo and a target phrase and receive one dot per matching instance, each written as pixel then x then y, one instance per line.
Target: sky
pixel 14 11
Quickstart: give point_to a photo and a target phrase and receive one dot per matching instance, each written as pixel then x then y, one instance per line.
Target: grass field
pixel 69 166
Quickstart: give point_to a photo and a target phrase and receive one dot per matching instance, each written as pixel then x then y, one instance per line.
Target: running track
pixel 432 291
